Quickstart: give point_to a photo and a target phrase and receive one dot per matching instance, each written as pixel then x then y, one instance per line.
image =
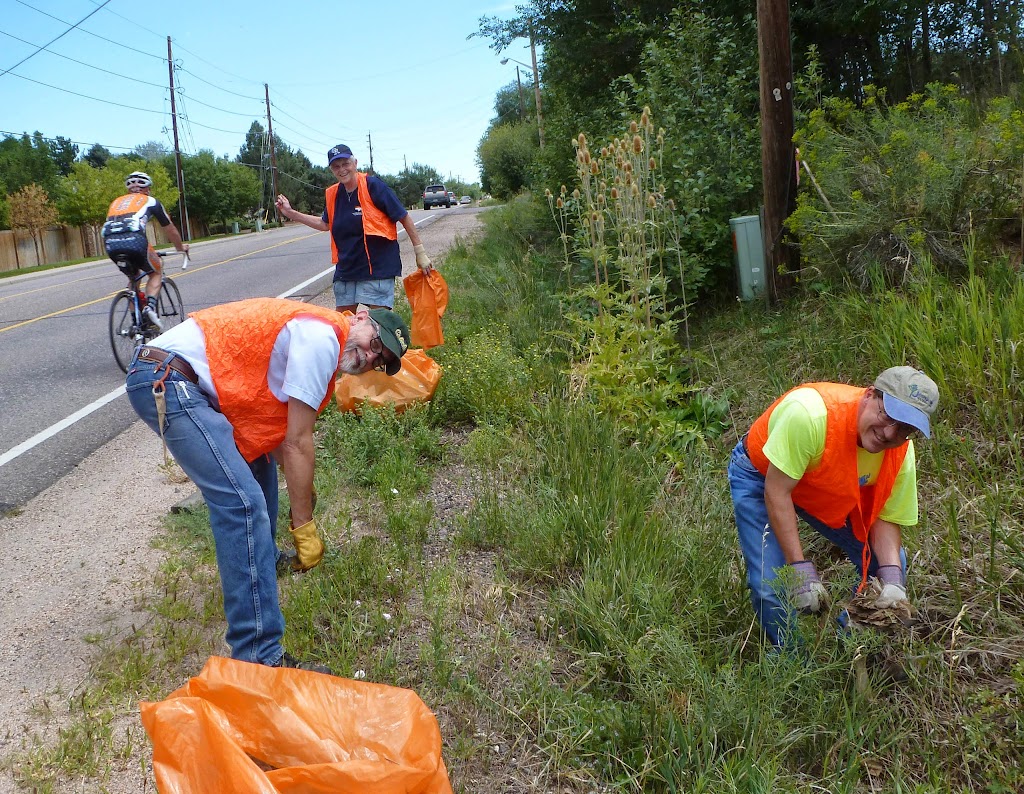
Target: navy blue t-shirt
pixel 347 231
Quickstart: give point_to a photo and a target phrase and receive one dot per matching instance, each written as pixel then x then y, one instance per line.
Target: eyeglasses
pixel 377 347
pixel 903 430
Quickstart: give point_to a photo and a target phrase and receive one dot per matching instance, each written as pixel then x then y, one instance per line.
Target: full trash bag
pixel 428 299
pixel 414 383
pixel 251 729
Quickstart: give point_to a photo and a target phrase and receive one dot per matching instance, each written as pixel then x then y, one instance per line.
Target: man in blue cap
pixel 841 458
pixel 362 217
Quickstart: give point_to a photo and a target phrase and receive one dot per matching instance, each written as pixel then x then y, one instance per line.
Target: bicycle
pixel 129 329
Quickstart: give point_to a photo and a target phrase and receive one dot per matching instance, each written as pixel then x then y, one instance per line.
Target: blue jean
pixel 242 498
pixel 763 554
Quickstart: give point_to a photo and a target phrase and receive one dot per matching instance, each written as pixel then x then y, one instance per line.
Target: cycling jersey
pixel 124 233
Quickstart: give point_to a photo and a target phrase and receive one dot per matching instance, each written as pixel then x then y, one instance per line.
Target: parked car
pixel 452 199
pixel 466 200
pixel 436 196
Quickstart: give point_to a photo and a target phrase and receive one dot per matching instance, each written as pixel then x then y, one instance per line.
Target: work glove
pixel 309 549
pixel 893 587
pixel 807 592
pixel 422 260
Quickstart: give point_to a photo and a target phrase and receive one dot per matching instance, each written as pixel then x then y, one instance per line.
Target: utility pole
pixel 778 172
pixel 369 142
pixel 273 155
pixel 522 105
pixel 536 87
pixel 179 177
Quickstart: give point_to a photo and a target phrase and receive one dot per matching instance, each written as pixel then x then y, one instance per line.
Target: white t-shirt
pixel 302 364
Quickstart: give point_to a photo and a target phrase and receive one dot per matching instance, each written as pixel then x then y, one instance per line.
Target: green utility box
pixel 748 254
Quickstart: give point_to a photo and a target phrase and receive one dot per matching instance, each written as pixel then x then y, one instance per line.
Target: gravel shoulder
pixel 77 555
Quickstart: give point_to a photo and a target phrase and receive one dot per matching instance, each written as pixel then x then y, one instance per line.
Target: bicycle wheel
pixel 124 330
pixel 169 305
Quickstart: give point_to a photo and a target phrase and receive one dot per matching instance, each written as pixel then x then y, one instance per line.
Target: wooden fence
pixel 62 244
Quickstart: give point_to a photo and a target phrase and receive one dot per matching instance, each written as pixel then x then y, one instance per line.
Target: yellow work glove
pixel 422 260
pixel 309 549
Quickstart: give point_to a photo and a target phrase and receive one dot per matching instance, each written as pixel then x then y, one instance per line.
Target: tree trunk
pixel 926 43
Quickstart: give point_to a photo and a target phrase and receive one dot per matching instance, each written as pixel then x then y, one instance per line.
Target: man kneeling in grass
pixel 841 458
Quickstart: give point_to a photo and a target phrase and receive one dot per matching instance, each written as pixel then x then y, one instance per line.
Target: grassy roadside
pixel 572 605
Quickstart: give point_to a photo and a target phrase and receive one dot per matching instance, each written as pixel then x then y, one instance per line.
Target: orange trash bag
pixel 253 729
pixel 414 383
pixel 428 299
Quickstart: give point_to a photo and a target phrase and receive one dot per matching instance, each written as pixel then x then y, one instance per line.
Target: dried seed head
pixel 594 217
pixel 628 167
pixel 633 128
pixel 600 199
pixel 559 203
pixel 594 169
pixel 645 117
pixel 564 190
pixel 635 190
pixel 672 205
pixel 582 139
pixel 576 194
pixel 651 164
pixel 547 192
pixel 615 194
pixel 586 156
pixel 616 142
pixel 638 144
pixel 604 151
pixel 603 185
pixel 651 201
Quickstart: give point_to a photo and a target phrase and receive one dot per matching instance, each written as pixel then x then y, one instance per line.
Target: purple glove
pixel 807 592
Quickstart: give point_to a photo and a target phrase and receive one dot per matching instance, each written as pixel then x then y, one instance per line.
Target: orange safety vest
pixel 375 221
pixel 831 492
pixel 240 337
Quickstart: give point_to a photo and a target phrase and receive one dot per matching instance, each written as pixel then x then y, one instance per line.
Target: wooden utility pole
pixel 522 104
pixel 178 175
pixel 273 155
pixel 369 143
pixel 778 172
pixel 536 89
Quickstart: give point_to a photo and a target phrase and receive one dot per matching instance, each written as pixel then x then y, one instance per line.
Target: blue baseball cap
pixel 909 396
pixel 338 152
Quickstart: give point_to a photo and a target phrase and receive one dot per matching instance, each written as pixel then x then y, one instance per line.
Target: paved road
pixel 61 392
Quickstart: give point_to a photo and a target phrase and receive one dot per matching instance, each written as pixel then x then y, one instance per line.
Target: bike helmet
pixel 138 179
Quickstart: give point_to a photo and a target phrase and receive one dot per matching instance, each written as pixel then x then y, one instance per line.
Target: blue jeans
pixel 242 498
pixel 763 554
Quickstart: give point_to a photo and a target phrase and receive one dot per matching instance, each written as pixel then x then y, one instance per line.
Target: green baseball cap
pixel 394 334
pixel 909 396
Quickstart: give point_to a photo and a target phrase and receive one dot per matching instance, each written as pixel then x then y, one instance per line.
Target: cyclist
pixel 124 237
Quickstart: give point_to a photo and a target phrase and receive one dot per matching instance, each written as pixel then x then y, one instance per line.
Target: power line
pixel 214 85
pixel 96 35
pixel 86 96
pixel 82 143
pixel 75 60
pixel 40 49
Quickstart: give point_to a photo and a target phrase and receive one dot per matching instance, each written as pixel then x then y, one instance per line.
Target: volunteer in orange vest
pixel 842 459
pixel 124 237
pixel 234 391
pixel 361 213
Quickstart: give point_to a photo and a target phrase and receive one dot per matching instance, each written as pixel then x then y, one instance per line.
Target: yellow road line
pixel 186 273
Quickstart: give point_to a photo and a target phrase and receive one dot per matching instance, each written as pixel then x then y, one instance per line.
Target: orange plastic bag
pixel 415 382
pixel 428 299
pixel 253 729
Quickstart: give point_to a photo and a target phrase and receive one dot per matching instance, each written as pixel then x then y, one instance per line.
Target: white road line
pixel 64 424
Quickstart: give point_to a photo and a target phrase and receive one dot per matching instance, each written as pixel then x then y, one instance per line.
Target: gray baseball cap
pixel 909 396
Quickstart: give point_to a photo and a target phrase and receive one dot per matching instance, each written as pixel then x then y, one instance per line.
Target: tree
pixel 25 161
pixel 219 189
pixel 84 197
pixel 150 150
pixel 97 156
pixel 31 209
pixel 505 155
pixel 409 183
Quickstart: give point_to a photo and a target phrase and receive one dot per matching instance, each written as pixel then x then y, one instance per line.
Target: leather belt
pixel 155 355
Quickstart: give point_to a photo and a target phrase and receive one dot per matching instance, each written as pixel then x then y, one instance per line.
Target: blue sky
pixel 402 74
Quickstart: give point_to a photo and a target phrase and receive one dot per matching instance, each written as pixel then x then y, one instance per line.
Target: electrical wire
pixel 86 96
pixel 96 35
pixel 62 35
pixel 80 143
pixel 81 63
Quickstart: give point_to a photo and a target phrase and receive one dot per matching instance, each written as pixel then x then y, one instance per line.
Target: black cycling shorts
pixel 131 252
